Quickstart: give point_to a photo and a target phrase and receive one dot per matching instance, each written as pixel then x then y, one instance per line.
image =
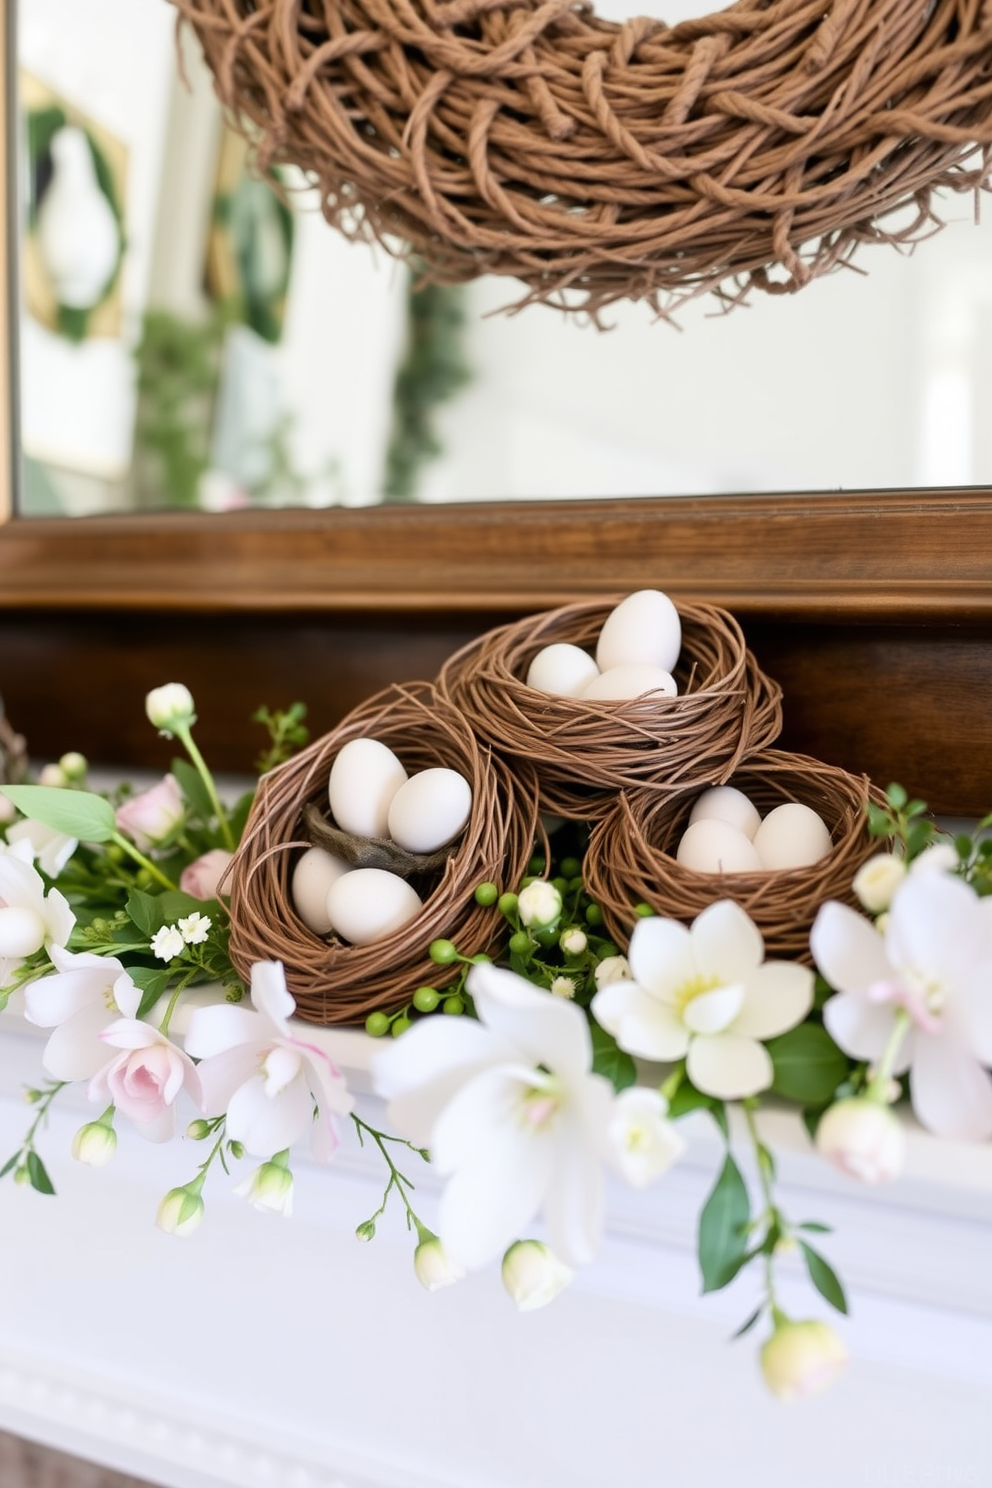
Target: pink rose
pixel 201 879
pixel 149 818
pixel 145 1078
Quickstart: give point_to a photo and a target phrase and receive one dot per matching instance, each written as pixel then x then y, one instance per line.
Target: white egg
pixel 364 779
pixel 631 681
pixel 644 627
pixel 22 931
pixel 368 904
pixel 711 846
pixel 562 669
pixel 792 836
pixel 728 804
pixel 429 810
pixel 313 875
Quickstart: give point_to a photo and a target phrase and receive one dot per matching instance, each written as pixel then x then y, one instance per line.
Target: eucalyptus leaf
pixel 80 814
pixel 723 1228
pixel 808 1064
pixel 609 1060
pixel 824 1278
pixel 37 1171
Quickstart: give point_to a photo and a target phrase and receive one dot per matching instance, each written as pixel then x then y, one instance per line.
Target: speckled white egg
pixel 712 846
pixel 562 669
pixel 429 810
pixel 792 836
pixel 367 904
pixel 631 681
pixel 312 877
pixel 727 803
pixel 364 779
pixel 645 627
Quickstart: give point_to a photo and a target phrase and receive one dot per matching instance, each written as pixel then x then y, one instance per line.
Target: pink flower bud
pixel 863 1139
pixel 149 818
pixel 802 1359
pixel 201 878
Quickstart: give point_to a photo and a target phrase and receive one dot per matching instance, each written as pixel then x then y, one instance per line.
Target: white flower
pixel 643 1142
pixel 705 994
pixel 562 986
pixel 939 857
pixel 168 942
pixel 573 941
pixel 877 880
pixel 935 962
pixel 29 919
pixel 195 928
pixel 863 1139
pixel 170 707
pixel 512 1113
pixel 269 1187
pixel 433 1266
pixel 52 849
pixel 267 1080
pixel 80 999
pixel 539 904
pixel 533 1275
pixel 802 1359
pixel 180 1212
pixel 612 969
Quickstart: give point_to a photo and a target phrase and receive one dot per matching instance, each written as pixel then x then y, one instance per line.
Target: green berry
pixel 486 894
pixel 561 884
pixel 443 952
pixel 480 959
pixel 520 943
pixel 607 948
pixel 536 866
pixel 594 915
pixel 571 868
pixel 454 1005
pixel 376 1024
pixel 400 1025
pixel 507 905
pixel 643 911
pixel 426 999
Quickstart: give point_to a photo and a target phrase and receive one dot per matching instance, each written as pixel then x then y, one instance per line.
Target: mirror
pixel 195 337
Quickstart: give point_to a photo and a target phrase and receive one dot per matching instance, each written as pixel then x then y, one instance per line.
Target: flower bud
pixel 202 878
pixel 877 880
pixel 533 1275
pixel 863 1139
pixel 433 1266
pixel 198 1130
pixel 612 969
pixel 802 1359
pixel 22 931
pixel 74 766
pixel 269 1187
pixel 170 708
pixel 52 775
pixel 574 941
pixel 8 810
pixel 94 1144
pixel 179 1212
pixel 149 818
pixel 539 905
pixel 365 1231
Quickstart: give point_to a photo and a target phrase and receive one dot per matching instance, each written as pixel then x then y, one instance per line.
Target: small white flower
pixel 195 928
pixel 939 857
pixel 168 942
pixel 170 707
pixel 433 1266
pixel 539 904
pixel 612 969
pixel 562 986
pixel 877 880
pixel 574 941
pixel 643 1141
pixel 29 919
pixel 533 1275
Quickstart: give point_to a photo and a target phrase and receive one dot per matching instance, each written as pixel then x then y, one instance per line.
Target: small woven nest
pixel 631 854
pixel 337 983
pixel 755 147
pixel 584 751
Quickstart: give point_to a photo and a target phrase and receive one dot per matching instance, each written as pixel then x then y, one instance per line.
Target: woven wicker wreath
pixel 631 855
pixel 337 983
pixel 753 147
pixel 584 751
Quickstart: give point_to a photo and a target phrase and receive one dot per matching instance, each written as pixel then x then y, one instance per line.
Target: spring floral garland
pixel 529 1080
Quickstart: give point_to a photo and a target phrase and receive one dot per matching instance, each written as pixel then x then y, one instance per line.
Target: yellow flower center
pixel 693 988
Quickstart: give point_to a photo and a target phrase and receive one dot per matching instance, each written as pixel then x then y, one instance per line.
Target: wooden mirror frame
pixel 874 610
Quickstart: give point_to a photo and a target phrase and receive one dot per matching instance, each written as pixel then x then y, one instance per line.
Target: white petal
pixel 544 1029
pixel 58 916
pixel 20 882
pixel 222 1074
pixel 848 950
pixel 574 1205
pixel 951 1093
pixel 162 1129
pixel 936 927
pixel 266 1125
pixel 128 1033
pixel 729 1067
pixel 712 1012
pixel 481 1108
pixel 660 956
pixel 432 1048
pixel 270 994
pixel 491 1202
pixel 968 1015
pixel 778 996
pixel 54 999
pixel 127 996
pixel 640 1024
pixel 861 1028
pixel 74 1051
pixel 220 1027
pixel 726 943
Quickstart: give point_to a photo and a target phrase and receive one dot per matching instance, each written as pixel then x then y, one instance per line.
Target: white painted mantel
pixel 271 1353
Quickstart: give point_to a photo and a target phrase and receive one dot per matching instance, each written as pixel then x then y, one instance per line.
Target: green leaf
pixel 610 1060
pixel 723 1228
pixel 824 1277
pixel 896 796
pixel 77 813
pixel 746 1327
pixel 151 911
pixel 36 1168
pixel 194 791
pixel 687 1098
pixel 814 1227
pixel 10 1163
pixel 152 983
pixel 808 1064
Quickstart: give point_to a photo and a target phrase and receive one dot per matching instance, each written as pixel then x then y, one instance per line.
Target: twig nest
pixel 292 854
pixel 632 855
pixel 586 749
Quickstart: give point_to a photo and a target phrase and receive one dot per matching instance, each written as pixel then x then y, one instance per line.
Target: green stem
pixel 140 858
pixel 163 1027
pixel 185 736
pixel 772 1215
pixel 878 1084
pixel 195 1185
pixel 397 1180
pixel 670 1086
pixel 41 1111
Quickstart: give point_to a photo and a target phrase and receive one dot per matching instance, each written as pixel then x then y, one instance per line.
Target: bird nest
pixel 584 751
pixel 337 983
pixel 631 856
pixel 757 146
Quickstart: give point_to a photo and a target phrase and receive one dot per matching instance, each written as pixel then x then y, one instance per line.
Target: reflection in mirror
pixel 194 336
